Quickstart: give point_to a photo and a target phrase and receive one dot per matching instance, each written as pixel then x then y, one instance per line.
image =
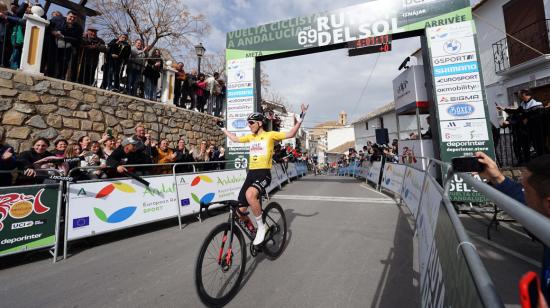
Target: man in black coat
pixel 68 35
pixel 7 163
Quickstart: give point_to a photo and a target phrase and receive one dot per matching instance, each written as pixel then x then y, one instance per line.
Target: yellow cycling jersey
pixel 261 148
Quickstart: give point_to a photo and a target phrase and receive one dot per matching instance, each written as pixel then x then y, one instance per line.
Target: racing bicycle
pixel 221 262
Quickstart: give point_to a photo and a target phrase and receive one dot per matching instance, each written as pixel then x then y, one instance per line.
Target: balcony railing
pixel 508 52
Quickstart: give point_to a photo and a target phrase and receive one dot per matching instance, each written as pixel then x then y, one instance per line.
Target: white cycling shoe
pixel 260 236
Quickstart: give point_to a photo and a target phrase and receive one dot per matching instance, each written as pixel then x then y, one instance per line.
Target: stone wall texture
pixel 37 106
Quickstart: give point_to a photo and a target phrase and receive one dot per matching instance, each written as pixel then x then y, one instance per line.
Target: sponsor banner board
pixel 208 187
pixel 464 130
pixel 28 218
pixel 374 172
pixel 412 189
pixel 347 24
pixel 392 178
pixel 281 174
pixel 240 71
pixel 472 110
pixel 274 180
pixel 240 85
pixel 426 221
pixel 100 207
pixel 457 79
pixel 291 170
pixel 461 106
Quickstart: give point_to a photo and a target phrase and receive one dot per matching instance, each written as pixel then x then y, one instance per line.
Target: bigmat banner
pixel 392 178
pixel 28 218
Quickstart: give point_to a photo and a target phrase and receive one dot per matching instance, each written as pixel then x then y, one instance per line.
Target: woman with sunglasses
pixel 261 145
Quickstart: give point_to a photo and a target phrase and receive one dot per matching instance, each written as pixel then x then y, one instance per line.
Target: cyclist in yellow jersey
pixel 261 144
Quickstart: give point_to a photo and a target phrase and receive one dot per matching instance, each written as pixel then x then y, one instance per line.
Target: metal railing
pixel 507 52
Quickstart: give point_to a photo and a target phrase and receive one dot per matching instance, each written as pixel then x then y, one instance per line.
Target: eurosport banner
pixel 445 279
pixel 461 106
pixel 392 178
pixel 28 218
pixel 412 189
pixel 351 23
pixel 110 205
pixel 374 172
pixel 198 188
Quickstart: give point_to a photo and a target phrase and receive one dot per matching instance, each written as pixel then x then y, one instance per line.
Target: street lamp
pixel 199 50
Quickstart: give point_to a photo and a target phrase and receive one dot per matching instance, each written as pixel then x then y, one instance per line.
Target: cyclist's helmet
pixel 256 116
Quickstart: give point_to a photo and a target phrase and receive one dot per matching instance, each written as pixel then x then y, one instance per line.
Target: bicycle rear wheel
pixel 275 220
pixel 219 270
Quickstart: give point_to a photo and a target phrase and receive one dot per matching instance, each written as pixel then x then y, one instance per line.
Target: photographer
pixel 535 193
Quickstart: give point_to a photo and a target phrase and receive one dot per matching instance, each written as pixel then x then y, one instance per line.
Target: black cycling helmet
pixel 256 116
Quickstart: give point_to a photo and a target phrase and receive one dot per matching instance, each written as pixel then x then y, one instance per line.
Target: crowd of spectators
pixel 129 66
pixel 104 158
pixel 369 153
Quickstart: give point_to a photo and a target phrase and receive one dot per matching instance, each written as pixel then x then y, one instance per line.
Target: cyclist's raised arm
pixel 230 135
pixel 292 133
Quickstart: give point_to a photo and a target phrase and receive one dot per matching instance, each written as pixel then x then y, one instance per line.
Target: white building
pixel 384 117
pixel 339 136
pixel 509 66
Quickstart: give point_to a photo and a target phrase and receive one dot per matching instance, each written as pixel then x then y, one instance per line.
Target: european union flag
pixel 81 222
pixel 185 202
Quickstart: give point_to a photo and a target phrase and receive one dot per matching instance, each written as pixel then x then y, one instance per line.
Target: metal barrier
pixel 32 225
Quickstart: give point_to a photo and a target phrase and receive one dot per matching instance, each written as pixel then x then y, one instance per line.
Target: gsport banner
pixel 106 206
pixel 392 178
pixel 28 218
pixel 198 188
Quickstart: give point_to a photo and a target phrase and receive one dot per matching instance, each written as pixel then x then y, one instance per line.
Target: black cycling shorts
pixel 257 178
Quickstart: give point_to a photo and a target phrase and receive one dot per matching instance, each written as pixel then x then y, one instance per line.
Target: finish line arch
pixel 449 48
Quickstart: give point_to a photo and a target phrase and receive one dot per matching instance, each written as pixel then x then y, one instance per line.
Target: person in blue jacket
pixel 534 191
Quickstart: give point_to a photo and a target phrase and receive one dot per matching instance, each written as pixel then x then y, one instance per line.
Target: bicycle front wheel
pixel 220 265
pixel 275 220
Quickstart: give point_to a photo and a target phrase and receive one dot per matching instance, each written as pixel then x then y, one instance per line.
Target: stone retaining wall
pixel 37 106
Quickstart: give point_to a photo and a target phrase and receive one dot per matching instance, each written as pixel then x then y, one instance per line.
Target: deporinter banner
pixel 28 217
pixel 460 98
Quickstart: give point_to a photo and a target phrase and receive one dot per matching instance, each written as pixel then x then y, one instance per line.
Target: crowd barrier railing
pixel 30 216
pixel 95 207
pixel 451 270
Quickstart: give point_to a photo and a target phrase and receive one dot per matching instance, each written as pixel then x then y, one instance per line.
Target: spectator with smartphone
pixel 534 191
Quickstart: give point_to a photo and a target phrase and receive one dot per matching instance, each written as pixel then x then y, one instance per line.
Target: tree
pixel 167 23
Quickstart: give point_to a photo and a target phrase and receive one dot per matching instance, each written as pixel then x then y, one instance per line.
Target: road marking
pixel 372 189
pixel 504 249
pixel 335 199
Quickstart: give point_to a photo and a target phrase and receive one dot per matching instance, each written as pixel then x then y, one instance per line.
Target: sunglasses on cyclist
pixel 251 122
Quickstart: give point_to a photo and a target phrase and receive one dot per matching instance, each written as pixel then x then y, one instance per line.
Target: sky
pixel 329 82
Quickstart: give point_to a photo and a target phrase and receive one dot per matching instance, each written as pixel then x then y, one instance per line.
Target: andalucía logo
pixel 121 214
pixel 19 206
pixel 207 198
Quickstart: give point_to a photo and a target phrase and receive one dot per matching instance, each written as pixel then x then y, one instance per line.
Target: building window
pixel 381 122
pixel 367 125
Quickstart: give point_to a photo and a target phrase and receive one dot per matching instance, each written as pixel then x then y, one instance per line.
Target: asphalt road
pixel 348 246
